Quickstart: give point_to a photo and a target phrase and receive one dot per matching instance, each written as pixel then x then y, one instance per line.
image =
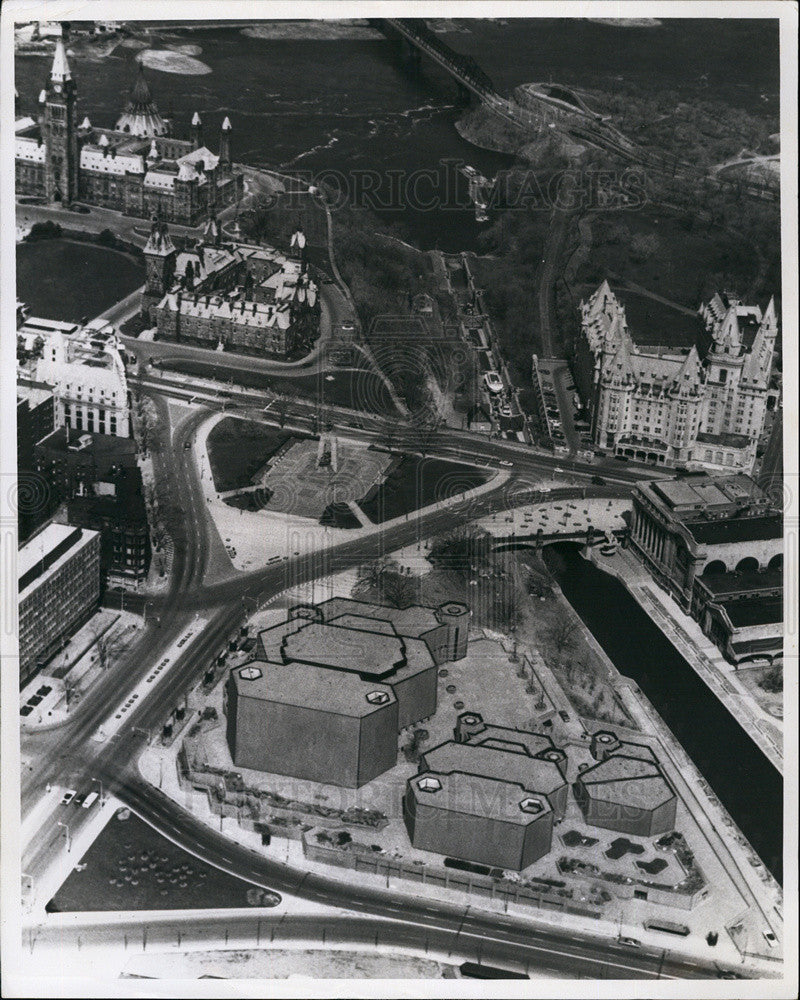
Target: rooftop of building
pixel 738 527
pixel 505 738
pixel 703 493
pixel 48 550
pixel 500 764
pixel 32 392
pixel 475 795
pixel 368 653
pixel 305 686
pixel 726 440
pixel 413 622
pixel 748 611
pixel 722 585
pixel 102 451
pixel 631 777
pixel 340 648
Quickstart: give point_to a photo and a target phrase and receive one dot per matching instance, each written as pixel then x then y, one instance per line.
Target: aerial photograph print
pixel 394 493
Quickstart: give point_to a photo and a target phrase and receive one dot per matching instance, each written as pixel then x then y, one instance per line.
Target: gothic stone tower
pixel 159 255
pixel 59 130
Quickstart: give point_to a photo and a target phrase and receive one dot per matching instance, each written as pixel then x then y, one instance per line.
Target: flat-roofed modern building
pixel 311 723
pixel 489 797
pixel 59 586
pixel 444 630
pixel 477 819
pixel 626 790
pixel 716 545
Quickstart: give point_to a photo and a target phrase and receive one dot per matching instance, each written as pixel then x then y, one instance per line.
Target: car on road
pixel 493 382
pixel 770 938
pixel 68 796
pixel 90 800
pixel 506 463
pixel 631 942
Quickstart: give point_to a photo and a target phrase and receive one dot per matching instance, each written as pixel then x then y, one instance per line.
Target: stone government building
pixel 137 167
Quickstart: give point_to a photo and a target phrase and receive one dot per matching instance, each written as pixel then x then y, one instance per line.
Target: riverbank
pixel 699 651
pixel 741 777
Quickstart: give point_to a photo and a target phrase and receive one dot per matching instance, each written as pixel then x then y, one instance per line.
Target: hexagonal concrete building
pixel 308 722
pixel 626 790
pixel 490 796
pixel 466 816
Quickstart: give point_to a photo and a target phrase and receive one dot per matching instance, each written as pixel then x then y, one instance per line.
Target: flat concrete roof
pixel 306 686
pixel 414 621
pixel 368 653
pixel 512 740
pixel 542 776
pixel 630 777
pixel 473 795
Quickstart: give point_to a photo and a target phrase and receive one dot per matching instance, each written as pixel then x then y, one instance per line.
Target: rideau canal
pixel 746 783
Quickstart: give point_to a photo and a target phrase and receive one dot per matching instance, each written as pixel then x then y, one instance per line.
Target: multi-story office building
pixel 59 586
pixel 696 399
pixel 86 372
pixel 35 420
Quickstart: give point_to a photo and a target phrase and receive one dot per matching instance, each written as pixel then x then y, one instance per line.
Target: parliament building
pixel 138 167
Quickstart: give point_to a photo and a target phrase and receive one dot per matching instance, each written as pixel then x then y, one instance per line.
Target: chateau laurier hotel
pixel 702 404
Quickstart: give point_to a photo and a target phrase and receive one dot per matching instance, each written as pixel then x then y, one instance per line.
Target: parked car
pixel 630 942
pixel 68 796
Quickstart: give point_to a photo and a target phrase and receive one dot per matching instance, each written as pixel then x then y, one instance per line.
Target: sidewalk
pixel 699 652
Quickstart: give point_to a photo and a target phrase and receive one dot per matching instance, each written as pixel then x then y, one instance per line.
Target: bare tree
pixel 562 634
pixel 397 589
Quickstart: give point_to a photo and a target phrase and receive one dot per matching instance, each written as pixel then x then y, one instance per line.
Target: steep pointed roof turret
pixel 141 116
pixel 226 124
pixel 141 98
pixel 60 72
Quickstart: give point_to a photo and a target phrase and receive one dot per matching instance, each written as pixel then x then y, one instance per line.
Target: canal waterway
pixel 746 783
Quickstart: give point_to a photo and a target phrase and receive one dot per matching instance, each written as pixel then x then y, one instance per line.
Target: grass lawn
pixel 131 867
pixel 67 280
pixel 237 449
pixel 413 482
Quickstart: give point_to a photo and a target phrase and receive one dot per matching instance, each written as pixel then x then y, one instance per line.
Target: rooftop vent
pixel 377 697
pixel 429 784
pixel 250 673
pixel 531 805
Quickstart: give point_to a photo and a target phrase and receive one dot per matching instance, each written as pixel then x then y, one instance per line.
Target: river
pixel 348 104
pixel 746 783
